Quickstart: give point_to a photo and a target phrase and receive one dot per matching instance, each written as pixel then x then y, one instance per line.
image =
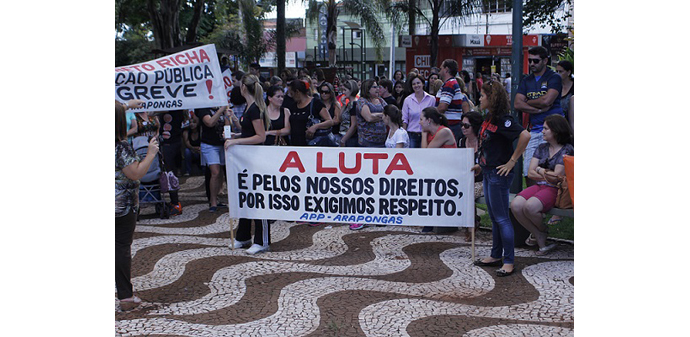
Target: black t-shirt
pixel 298 121
pixel 497 141
pixel 171 126
pixel 391 100
pixel 251 114
pixel 213 135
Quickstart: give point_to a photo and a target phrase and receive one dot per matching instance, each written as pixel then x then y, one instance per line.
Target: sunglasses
pixel 535 61
pixel 325 91
pixel 465 125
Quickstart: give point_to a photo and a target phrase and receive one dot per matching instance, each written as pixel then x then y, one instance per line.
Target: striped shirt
pixel 450 94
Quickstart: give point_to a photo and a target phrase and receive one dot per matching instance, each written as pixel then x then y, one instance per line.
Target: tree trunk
pixel 280 35
pixel 412 15
pixel 166 23
pixel 434 32
pixel 194 24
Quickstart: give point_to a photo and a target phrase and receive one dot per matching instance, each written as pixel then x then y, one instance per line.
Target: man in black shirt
pixel 385 90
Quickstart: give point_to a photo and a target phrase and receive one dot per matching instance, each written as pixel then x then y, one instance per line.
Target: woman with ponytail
pixel 254 123
pixel 496 161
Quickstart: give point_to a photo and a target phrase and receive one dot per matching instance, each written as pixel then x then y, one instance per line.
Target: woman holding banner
pixel 254 123
pixel 129 168
pixel 496 162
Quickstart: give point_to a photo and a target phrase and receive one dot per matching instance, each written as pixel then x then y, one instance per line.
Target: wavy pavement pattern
pixel 298 313
pixel 555 304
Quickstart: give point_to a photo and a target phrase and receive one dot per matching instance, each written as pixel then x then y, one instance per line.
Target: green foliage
pixel 568 54
pixel 134 46
pixel 543 13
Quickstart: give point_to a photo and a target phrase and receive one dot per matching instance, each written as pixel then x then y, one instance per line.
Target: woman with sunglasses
pixel 470 125
pixel 496 162
pixel 328 98
pixel 530 205
pixel 412 109
pixel 370 127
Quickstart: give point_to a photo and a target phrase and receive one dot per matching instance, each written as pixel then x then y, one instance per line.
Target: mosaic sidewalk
pixel 331 281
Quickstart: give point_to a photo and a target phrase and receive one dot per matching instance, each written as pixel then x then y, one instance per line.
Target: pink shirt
pixel 412 109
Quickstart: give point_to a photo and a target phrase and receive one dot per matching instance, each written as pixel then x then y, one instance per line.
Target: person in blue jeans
pixel 496 161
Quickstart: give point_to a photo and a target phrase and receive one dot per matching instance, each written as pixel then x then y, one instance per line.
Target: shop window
pixel 497 6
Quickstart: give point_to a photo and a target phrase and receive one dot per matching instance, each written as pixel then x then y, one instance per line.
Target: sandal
pixel 545 250
pixel 481 263
pixel 531 241
pixel 501 272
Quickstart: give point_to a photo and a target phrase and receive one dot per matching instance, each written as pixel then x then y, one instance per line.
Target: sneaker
pixel 176 209
pixel 427 229
pixel 256 249
pixel 240 244
pixel 213 209
pixel 356 226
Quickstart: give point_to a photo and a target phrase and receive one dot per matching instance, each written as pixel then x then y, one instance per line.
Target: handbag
pixel 563 199
pixel 168 181
pixel 313 120
pixel 280 141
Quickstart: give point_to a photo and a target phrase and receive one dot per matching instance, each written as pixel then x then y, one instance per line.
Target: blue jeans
pixel 496 193
pixel 415 139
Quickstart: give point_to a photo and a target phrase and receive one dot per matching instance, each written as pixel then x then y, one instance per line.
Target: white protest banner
pixel 227 80
pixel 409 187
pixel 186 80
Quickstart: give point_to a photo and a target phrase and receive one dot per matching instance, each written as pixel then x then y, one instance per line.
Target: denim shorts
pixel 212 154
pixel 536 139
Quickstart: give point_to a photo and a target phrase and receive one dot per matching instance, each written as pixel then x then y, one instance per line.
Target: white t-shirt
pixel 400 136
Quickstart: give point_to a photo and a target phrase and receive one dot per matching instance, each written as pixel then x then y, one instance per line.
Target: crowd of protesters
pixel 448 109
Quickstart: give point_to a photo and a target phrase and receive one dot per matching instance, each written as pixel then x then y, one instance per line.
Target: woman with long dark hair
pixel 306 108
pixel 470 125
pixel 497 159
pixel 279 115
pixel 129 168
pixel 530 205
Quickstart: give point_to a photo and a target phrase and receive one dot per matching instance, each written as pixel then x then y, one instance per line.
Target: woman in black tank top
pixel 280 117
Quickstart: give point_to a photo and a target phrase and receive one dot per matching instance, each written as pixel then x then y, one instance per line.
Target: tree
pixel 439 12
pixel 543 13
pixel 366 11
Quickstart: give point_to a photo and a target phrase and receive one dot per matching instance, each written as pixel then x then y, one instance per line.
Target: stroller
pixel 150 189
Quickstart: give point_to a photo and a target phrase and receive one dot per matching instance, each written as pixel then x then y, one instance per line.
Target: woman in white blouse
pixel 397 136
